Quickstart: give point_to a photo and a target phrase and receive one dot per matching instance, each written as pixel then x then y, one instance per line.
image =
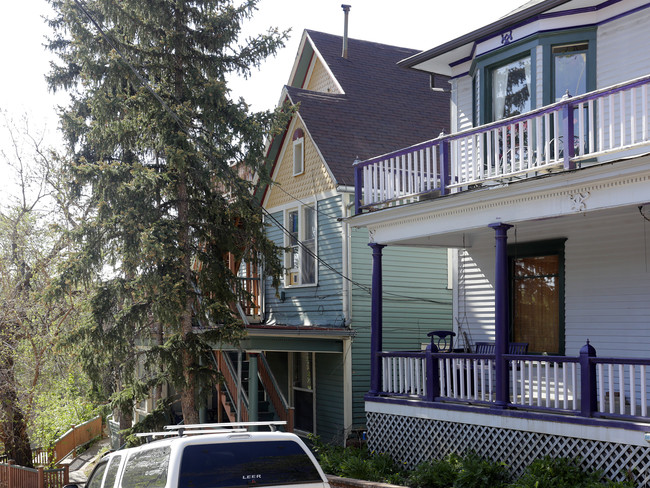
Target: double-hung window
pixel 300 258
pixel 511 88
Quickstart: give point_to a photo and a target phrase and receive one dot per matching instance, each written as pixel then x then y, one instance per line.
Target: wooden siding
pixel 329 397
pixel 622 52
pixel 606 288
pixel 320 79
pixel 416 301
pixel 314 180
pixel 464 103
pixel 312 305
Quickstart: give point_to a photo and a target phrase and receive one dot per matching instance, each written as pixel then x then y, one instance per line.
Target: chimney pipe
pixel 346 9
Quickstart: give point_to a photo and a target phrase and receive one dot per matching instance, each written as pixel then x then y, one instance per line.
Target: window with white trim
pixel 300 258
pixel 298 156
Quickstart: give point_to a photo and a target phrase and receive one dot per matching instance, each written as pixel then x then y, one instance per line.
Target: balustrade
pixel 555 137
pixel 544 383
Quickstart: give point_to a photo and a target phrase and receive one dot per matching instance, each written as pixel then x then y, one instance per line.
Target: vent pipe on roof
pixel 346 9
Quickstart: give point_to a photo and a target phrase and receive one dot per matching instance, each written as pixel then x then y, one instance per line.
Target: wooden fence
pixel 12 476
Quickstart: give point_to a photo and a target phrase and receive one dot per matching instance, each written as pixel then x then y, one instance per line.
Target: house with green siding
pixel 308 351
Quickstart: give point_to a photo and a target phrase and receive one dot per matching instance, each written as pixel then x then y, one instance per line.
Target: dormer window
pixel 298 152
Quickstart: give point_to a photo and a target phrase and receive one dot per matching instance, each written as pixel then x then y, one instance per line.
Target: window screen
pixel 245 464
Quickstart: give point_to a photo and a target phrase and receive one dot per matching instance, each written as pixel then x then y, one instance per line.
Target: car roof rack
pixel 224 426
pixel 198 429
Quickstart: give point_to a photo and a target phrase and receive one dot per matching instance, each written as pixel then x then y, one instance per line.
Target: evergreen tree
pixel 159 149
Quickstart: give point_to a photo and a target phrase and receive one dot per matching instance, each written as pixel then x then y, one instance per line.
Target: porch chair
pixel 513 348
pixel 442 340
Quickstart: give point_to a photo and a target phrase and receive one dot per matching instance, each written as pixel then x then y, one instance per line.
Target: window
pixel 300 259
pixel 537 296
pixel 298 156
pixel 569 70
pixel 97 475
pixel 244 464
pixel 511 89
pixel 111 473
pixel 147 469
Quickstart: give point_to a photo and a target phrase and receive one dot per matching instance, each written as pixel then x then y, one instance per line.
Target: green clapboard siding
pixel 329 397
pixel 416 301
pixel 312 305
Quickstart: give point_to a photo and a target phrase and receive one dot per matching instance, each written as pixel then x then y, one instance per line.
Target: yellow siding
pixel 320 80
pixel 314 180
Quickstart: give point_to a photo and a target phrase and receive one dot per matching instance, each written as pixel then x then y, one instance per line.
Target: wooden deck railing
pixel 585 385
pixel 230 383
pixel 605 121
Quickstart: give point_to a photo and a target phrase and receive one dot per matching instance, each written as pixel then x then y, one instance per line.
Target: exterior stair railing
pixel 277 399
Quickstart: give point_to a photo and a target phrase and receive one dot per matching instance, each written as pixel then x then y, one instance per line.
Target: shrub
pixel 476 472
pixel 549 472
pixel 435 473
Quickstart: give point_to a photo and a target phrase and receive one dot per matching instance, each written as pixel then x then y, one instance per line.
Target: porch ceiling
pixel 543 207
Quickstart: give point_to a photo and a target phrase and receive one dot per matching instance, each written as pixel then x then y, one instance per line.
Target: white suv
pixel 212 456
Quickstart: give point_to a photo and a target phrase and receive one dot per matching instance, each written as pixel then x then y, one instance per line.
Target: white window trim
pixel 301 237
pixel 299 148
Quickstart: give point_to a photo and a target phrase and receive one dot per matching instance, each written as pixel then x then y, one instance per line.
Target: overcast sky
pixel 418 24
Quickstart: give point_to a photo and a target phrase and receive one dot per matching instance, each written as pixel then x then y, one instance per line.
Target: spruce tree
pixel 161 151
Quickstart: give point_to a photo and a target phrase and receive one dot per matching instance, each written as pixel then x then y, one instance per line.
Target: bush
pixel 435 473
pixel 476 472
pixel 549 472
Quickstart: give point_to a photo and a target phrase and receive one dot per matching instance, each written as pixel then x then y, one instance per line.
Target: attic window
pixel 298 152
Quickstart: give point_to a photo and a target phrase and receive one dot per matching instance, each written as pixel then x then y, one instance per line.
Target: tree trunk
pixel 13 431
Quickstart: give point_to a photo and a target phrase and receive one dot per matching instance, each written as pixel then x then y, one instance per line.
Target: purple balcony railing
pixel 600 125
pixel 585 385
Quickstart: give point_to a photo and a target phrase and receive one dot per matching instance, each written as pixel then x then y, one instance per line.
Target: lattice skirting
pixel 413 440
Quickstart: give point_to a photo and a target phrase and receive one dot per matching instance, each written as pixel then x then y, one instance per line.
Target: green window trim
pixel 483 65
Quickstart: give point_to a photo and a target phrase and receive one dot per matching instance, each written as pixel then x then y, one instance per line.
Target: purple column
pixel 501 316
pixel 588 400
pixel 376 320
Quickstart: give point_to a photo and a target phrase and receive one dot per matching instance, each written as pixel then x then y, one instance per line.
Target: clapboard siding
pixel 607 285
pixel 464 103
pixel 622 52
pixel 416 301
pixel 329 397
pixel 313 305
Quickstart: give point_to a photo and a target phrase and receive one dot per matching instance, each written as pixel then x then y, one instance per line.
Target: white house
pixel 543 188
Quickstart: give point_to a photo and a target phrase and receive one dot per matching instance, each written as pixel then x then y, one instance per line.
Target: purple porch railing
pixel 584 385
pixel 599 123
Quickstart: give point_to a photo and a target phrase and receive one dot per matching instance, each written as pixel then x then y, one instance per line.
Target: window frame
pixel 482 66
pixel 299 149
pixel 298 270
pixel 534 249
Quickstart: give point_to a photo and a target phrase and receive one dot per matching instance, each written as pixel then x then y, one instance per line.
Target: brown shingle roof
pixel 384 107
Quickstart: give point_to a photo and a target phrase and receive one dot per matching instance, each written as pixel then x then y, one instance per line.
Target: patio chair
pixel 442 340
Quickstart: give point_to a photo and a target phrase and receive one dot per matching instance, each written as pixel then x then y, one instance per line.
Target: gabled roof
pixel 383 107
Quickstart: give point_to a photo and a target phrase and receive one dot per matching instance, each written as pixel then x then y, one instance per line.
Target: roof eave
pixel 419 60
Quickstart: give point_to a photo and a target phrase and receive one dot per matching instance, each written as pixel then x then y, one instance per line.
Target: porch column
pixel 501 315
pixel 376 319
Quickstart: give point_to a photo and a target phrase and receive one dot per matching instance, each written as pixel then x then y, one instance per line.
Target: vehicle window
pixel 95 480
pixel 111 473
pixel 147 469
pixel 245 464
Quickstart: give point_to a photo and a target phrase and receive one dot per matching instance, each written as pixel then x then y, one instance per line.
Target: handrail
pixel 599 123
pixel 280 404
pixel 230 382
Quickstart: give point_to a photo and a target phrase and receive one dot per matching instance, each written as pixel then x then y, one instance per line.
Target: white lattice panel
pixel 413 440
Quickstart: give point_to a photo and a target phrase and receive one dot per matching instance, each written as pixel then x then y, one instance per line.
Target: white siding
pixel 607 285
pixel 622 52
pixel 464 97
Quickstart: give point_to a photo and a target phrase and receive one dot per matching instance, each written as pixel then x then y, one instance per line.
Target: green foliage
pixel 549 472
pixel 477 472
pixel 162 153
pixel 435 473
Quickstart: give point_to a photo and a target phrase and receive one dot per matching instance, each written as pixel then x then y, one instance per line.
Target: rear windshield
pixel 245 464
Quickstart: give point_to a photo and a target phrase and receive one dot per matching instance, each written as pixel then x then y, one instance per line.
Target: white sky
pixel 418 24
